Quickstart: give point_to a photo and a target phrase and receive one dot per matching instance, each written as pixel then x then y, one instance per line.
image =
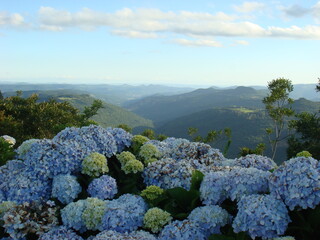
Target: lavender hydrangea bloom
pixel 181 230
pixel 261 216
pixel 124 214
pixel 297 182
pixel 210 218
pixel 168 173
pixel 65 188
pixel 114 235
pixel 60 233
pixel 72 215
pixel 89 139
pixel 104 187
pixel 123 139
pixel 257 161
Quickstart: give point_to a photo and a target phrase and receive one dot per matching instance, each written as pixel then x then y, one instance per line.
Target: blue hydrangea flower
pixel 89 139
pixel 114 235
pixel 104 187
pixel 297 182
pixel 181 230
pixel 123 139
pixel 65 188
pixel 60 233
pixel 124 214
pixel 72 215
pixel 261 216
pixel 257 161
pixel 24 147
pixel 168 173
pixel 210 218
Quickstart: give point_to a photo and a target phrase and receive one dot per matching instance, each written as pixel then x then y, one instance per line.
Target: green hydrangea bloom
pixel 150 160
pixel 4 207
pixel 25 146
pixel 132 166
pixel 304 154
pixel 137 142
pixel 148 151
pixel 152 192
pixel 155 219
pixel 125 157
pixel 92 215
pixel 94 165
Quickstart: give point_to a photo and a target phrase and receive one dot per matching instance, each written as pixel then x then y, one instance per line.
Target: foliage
pixel 25 118
pixel 307 137
pixel 260 148
pixel 277 104
pixel 213 136
pixel 6 151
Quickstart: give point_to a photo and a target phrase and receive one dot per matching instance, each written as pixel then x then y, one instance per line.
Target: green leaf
pixel 196 180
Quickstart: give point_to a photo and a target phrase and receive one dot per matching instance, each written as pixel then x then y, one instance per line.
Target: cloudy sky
pixel 159 41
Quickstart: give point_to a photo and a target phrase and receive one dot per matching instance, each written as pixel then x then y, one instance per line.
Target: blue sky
pixel 199 42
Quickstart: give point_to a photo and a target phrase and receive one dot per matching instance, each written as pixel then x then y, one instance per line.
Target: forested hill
pixel 165 108
pixel 109 115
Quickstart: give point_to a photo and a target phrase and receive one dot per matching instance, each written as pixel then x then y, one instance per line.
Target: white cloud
pixel 197 43
pixel 308 32
pixel 134 34
pixel 14 19
pixel 241 42
pixel 248 7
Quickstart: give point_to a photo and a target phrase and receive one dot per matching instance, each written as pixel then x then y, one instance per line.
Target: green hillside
pixel 109 115
pixel 165 108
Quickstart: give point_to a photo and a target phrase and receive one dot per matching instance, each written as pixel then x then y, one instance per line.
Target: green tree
pixel 278 106
pixel 318 86
pixel 25 118
pixel 244 151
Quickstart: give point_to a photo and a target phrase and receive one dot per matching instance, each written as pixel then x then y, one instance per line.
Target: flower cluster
pixel 181 230
pixel 210 218
pixel 72 215
pixel 124 214
pixel 104 187
pixel 152 192
pixel 59 233
pixel 9 139
pixel 155 219
pixel 27 218
pixel 24 147
pixel 65 188
pixel 149 153
pixel 138 141
pixel 129 162
pixel 123 139
pixel 233 184
pixel 114 235
pixel 297 182
pixel 256 161
pixel 168 173
pixel 92 214
pixel 94 165
pixel 261 216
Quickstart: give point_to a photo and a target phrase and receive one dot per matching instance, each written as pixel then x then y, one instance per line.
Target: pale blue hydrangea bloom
pixel 257 161
pixel 124 214
pixel 210 218
pixel 24 147
pixel 261 216
pixel 60 233
pixel 232 183
pixel 182 230
pixel 114 235
pixel 72 215
pixel 104 187
pixel 65 188
pixel 123 139
pixel 297 182
pixel 89 139
pixel 168 173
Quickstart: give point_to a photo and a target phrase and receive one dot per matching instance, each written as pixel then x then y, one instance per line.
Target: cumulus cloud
pixel 297 11
pixel 14 19
pixel 134 34
pixel 308 32
pixel 248 7
pixel 241 42
pixel 197 43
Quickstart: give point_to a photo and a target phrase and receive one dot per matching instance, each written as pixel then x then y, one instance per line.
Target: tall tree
pixel 278 106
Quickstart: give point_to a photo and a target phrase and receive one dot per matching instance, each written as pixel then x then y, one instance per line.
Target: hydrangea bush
pixel 99 183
